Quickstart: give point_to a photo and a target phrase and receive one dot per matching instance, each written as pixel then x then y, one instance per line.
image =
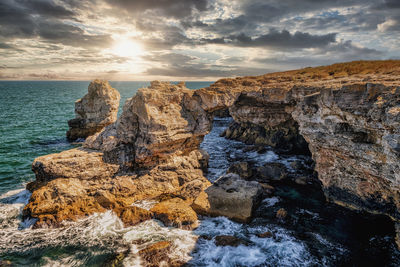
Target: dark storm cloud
pixel 57 32
pixel 278 39
pixel 341 51
pixel 254 14
pixel 170 8
pixel 46 8
pixel 33 19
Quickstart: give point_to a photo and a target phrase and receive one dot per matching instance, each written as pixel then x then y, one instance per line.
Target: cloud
pixel 169 8
pixel 58 32
pixel 32 19
pixel 204 70
pixel 46 8
pixel 169 58
pixel 278 39
pixel 193 38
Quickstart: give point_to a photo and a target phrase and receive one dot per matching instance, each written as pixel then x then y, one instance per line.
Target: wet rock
pixel 5 263
pixel 268 189
pixel 221 113
pixel 97 109
pixel 271 171
pixel 206 237
pixel 156 254
pixel 265 235
pixel 176 212
pixel 297 165
pixel 116 260
pixel 132 215
pixel 229 196
pixel 397 230
pixel 227 240
pixel 302 180
pixel 281 213
pixel 243 169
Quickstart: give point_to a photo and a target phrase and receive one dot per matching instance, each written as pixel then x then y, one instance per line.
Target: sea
pixel 33 122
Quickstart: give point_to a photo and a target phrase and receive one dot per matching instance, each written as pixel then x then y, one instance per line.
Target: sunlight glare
pixel 127 48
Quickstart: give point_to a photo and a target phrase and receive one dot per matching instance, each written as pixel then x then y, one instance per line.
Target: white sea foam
pixel 282 250
pixel 269 202
pixel 145 204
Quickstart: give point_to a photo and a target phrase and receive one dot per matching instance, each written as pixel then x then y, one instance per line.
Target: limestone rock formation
pixel 153 149
pixel 264 118
pixel 158 123
pixel 229 196
pixel 354 136
pixel 97 109
pixel 346 115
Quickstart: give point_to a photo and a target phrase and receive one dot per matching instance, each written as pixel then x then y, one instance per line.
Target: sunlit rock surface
pixel 97 109
pixel 152 149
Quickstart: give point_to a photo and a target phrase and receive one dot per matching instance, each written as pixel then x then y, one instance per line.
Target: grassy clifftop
pixel 379 71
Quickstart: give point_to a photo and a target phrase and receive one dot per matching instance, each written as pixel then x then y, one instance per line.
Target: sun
pixel 127 48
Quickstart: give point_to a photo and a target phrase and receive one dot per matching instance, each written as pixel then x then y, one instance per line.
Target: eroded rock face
pixel 153 149
pixel 354 136
pixel 264 118
pixel 229 196
pixel 97 109
pixel 158 123
pixel 60 194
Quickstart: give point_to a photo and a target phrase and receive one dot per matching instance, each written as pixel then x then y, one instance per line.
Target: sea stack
pixel 97 109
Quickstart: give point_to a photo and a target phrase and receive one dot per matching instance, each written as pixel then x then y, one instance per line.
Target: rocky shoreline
pixel 350 126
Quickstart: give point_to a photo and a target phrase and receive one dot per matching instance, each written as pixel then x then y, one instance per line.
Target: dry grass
pixel 374 70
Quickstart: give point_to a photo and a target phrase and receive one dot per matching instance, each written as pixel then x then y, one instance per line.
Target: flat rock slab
pixel 229 196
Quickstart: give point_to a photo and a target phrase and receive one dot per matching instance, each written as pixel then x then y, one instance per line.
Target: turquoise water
pixel 33 122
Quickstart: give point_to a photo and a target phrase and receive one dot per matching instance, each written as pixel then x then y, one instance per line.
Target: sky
pixel 189 39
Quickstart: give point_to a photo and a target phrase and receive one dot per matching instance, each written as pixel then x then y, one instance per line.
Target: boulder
pixel 176 212
pixel 281 214
pixel 229 196
pixel 265 235
pixel 132 215
pixel 272 171
pixel 243 169
pixel 228 240
pixel 97 109
pixel 156 254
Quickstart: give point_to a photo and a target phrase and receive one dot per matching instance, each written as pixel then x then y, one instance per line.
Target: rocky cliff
pixel 345 115
pixel 150 151
pixel 97 109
